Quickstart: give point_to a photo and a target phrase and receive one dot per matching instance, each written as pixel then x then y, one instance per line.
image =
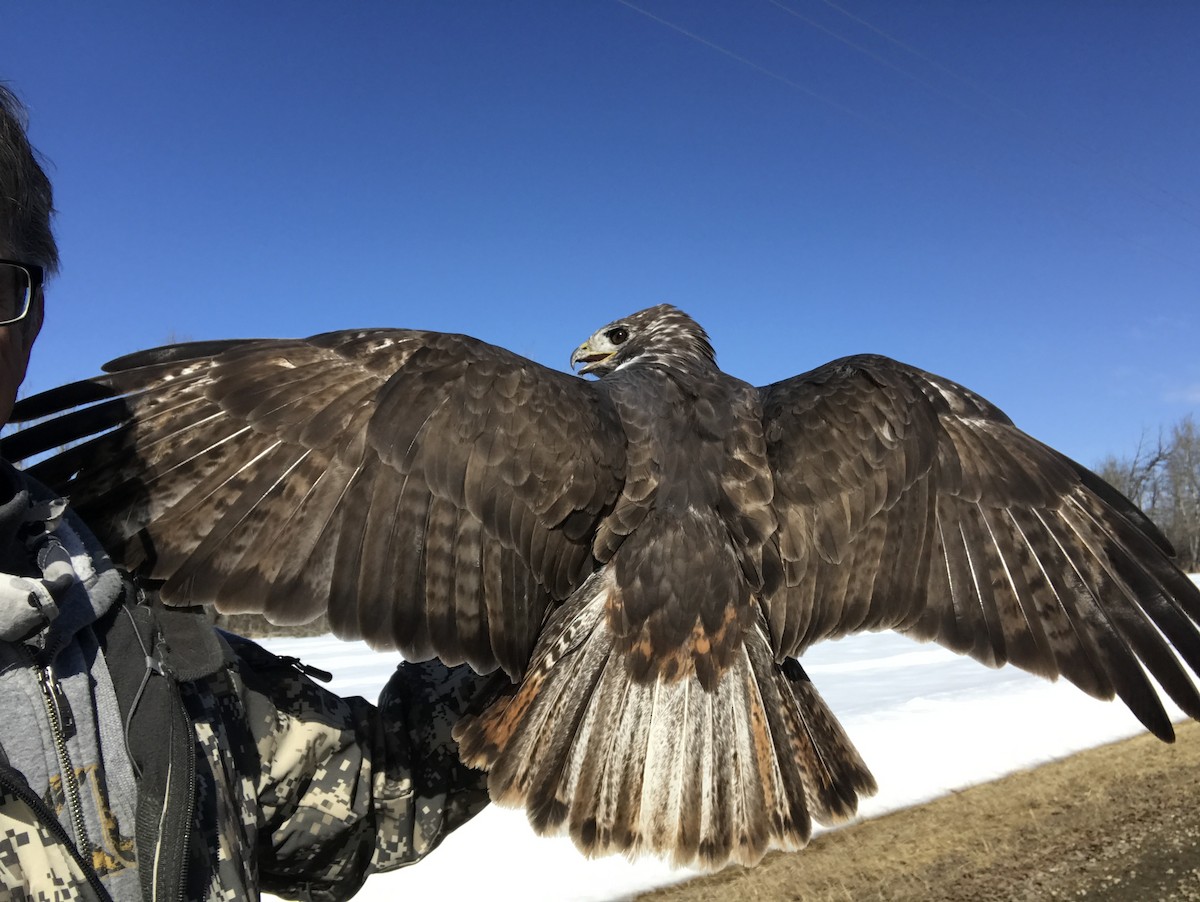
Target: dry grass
pixel 1121 822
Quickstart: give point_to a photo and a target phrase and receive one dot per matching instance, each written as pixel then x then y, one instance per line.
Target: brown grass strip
pixel 1121 822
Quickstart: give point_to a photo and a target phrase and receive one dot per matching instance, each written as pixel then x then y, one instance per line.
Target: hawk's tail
pixel 664 767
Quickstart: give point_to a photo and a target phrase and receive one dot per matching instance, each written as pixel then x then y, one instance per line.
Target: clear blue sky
pixel 1004 193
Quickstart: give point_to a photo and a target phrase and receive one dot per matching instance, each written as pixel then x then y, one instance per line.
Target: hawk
pixel 645 554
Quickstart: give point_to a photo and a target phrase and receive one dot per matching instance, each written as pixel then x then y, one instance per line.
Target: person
pixel 145 755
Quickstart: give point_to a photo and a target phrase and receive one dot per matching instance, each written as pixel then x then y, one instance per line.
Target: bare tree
pixel 1182 477
pixel 1163 479
pixel 1139 477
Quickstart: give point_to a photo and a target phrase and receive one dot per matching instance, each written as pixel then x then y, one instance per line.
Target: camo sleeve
pixel 346 788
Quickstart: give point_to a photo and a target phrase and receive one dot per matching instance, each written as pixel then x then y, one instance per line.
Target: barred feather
pixel 664 767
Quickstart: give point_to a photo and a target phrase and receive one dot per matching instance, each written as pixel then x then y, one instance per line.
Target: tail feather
pixel 664 767
pixel 834 774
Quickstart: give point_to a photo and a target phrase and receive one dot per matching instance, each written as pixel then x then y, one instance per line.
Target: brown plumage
pixel 645 555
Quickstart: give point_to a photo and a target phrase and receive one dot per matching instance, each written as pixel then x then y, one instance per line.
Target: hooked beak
pixel 590 358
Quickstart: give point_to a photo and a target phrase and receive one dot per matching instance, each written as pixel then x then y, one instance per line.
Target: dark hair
pixel 26 198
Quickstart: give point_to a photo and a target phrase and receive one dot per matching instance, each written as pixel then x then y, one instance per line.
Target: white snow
pixel 926 721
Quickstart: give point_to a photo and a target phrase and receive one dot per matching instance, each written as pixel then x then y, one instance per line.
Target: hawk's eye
pixel 617 336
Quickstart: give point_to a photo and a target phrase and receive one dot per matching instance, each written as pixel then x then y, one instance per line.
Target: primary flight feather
pixel 645 554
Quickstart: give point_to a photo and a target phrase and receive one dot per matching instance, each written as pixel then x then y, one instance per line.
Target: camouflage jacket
pixel 249 776
pixel 253 777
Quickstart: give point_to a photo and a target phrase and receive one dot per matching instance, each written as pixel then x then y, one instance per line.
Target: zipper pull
pixel 62 707
pixel 307 669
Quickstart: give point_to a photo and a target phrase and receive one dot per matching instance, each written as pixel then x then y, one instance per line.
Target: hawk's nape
pixel 645 554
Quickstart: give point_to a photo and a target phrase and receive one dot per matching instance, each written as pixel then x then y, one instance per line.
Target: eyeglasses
pixel 19 282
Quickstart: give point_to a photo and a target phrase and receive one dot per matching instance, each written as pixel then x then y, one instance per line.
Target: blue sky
pixel 1003 193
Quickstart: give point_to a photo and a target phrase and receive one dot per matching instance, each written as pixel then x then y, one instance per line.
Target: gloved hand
pixel 426 700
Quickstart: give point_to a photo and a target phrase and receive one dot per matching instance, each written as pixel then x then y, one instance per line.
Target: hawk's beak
pixel 586 355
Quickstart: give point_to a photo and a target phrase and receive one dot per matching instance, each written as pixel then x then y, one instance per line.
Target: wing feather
pixel 435 492
pixel 242 512
pixel 293 543
pixel 378 559
pixel 906 501
pixel 440 560
pixel 470 618
pixel 187 499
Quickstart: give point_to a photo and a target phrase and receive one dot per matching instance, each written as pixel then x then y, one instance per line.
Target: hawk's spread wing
pixel 433 491
pixel 906 501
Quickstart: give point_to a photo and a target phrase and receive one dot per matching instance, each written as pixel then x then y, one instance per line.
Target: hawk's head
pixel 659 334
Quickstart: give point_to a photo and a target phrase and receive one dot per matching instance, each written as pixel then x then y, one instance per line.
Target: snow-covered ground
pixel 925 720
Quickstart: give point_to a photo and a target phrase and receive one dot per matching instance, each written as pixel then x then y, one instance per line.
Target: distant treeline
pixel 256 626
pixel 1162 477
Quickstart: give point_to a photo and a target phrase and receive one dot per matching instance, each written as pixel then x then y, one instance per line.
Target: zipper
pixel 158 846
pixel 62 728
pixel 171 823
pixel 190 798
pixel 47 818
pixel 188 806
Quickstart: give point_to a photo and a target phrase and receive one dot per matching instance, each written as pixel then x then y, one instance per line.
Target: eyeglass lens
pixel 14 292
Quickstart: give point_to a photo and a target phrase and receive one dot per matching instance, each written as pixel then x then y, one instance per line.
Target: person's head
pixel 26 239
